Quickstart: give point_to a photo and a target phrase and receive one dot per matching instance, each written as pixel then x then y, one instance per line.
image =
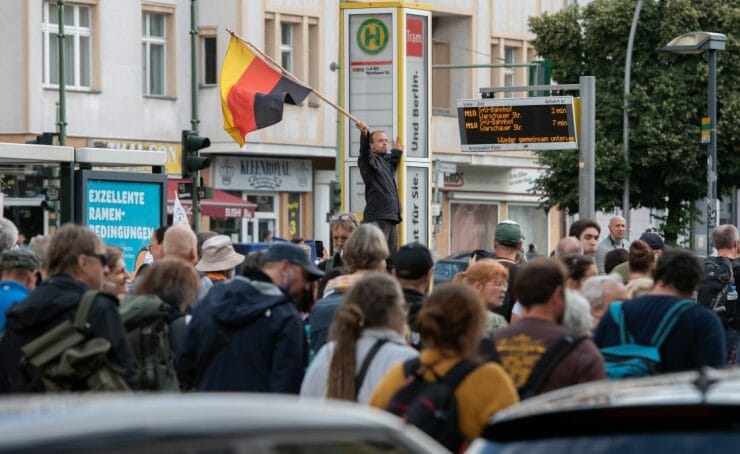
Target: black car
pixel 673 413
pixel 446 269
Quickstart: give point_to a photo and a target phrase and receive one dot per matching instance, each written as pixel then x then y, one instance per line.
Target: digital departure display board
pixel 508 124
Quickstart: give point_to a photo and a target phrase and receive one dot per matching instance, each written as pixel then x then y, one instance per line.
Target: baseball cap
pixel 19 258
pixel 412 261
pixel 293 254
pixel 508 233
pixel 653 240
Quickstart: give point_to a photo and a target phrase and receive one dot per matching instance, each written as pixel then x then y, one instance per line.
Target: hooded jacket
pixel 51 302
pixel 245 335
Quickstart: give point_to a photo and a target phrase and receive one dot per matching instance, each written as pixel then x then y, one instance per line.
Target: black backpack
pixel 431 405
pixel 145 320
pixel 718 277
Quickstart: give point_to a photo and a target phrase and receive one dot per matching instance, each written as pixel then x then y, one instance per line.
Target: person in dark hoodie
pixel 413 267
pixel 76 262
pixel 247 334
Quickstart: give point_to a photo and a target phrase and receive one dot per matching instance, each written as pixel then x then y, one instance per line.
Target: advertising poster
pixel 121 212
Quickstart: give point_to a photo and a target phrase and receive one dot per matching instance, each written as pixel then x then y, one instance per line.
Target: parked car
pixel 673 413
pixel 200 423
pixel 446 269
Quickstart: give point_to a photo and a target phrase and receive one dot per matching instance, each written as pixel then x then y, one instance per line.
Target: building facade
pixel 128 79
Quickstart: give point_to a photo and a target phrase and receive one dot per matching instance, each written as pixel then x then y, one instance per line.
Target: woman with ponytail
pixel 451 323
pixel 366 339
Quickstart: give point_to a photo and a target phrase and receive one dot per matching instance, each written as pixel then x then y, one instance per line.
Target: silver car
pixel 201 423
pixel 687 412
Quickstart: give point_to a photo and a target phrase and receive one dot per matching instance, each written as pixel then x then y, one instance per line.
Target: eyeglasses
pixel 102 257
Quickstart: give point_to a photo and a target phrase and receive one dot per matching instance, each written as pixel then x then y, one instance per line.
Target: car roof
pixel 669 401
pixel 44 418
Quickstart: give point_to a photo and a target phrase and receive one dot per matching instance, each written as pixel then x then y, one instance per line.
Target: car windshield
pixel 677 442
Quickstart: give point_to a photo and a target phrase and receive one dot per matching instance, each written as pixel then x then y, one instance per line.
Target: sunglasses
pixel 344 217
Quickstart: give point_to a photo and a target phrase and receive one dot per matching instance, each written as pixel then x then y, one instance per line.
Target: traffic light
pixel 336 196
pixel 191 162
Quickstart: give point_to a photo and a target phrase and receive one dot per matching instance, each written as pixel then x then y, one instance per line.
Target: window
pixel 509 73
pixel 210 72
pixel 77 45
pixel 154 53
pixel 286 46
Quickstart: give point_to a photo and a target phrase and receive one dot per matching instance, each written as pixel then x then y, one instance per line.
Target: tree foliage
pixel 667 162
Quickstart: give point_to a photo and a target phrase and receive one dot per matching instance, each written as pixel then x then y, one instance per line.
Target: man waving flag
pixel 253 91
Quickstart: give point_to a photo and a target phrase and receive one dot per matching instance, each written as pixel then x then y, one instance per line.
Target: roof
pixel 55 419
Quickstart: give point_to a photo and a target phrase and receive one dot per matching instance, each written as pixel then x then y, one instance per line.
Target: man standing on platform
pixel 377 168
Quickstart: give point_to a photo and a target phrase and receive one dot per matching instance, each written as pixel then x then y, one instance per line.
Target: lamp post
pixel 694 43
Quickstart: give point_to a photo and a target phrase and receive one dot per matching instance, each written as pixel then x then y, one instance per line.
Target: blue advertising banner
pixel 122 212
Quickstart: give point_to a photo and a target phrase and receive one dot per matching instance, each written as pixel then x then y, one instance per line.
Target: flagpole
pixel 287 73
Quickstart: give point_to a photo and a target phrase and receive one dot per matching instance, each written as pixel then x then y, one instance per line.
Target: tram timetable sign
pixel 508 124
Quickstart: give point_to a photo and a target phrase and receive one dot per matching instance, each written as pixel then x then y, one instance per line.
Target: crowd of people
pixel 366 321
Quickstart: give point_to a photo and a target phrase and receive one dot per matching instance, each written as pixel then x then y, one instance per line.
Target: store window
pixel 533 222
pixel 77 45
pixel 472 226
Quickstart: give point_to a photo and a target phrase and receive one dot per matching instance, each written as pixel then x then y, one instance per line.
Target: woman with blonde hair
pixel 490 280
pixel 451 324
pixel 366 339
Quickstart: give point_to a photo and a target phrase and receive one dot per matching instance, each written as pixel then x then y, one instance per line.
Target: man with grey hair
pixel 600 291
pixel 180 241
pixel 614 240
pixel 8 234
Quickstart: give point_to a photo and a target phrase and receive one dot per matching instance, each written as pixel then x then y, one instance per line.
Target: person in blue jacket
pixel 19 270
pixel 696 340
pixel 247 334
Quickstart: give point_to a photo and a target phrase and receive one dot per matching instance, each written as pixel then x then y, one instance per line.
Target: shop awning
pixel 222 205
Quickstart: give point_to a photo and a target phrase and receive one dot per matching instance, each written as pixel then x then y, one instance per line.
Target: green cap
pixel 19 258
pixel 508 233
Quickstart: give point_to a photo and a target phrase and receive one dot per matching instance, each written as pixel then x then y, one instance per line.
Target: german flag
pixel 253 91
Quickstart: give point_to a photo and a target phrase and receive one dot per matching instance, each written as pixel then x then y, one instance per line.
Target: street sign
pixel 205 193
pixel 184 189
pixel 447 167
pixel 507 124
pixel 706 130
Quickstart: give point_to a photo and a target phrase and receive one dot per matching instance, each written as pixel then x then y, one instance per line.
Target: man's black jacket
pixel 381 191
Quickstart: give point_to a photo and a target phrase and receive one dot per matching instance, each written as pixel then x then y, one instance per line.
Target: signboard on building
pixel 506 124
pixel 294 214
pixel 262 174
pixel 122 208
pixel 172 150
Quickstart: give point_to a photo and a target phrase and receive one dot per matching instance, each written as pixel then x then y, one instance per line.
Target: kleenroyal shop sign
pixel 263 174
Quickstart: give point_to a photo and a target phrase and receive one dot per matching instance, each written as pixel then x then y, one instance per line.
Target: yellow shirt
pixel 486 390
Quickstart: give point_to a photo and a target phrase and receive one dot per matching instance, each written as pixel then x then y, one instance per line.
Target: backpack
pixel 718 277
pixel 68 358
pixel 145 320
pixel 630 359
pixel 431 405
pixel 546 364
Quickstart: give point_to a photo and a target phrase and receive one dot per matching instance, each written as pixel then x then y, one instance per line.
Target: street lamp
pixel 692 44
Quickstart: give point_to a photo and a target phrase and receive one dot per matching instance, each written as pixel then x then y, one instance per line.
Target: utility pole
pixel 194 107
